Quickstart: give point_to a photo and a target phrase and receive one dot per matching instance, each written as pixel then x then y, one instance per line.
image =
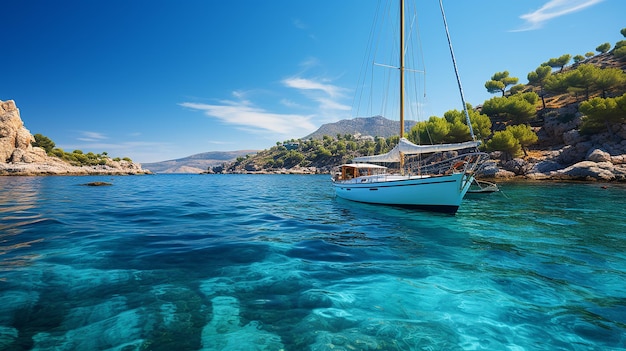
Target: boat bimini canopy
pixel 406 147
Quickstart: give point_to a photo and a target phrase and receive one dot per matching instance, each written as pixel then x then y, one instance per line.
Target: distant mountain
pixel 374 126
pixel 197 163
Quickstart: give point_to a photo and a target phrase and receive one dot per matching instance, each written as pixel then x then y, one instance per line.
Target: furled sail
pixel 408 148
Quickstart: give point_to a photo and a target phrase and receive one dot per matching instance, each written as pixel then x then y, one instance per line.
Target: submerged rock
pixel 8 336
pixel 97 184
pixel 225 332
pixel 119 332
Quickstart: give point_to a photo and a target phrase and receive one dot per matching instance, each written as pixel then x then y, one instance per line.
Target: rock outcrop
pixel 568 155
pixel 15 139
pixel 19 157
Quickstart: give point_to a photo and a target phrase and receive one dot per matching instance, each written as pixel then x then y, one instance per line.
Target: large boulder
pixel 587 170
pixel 571 154
pixel 518 166
pixel 13 134
pixel 598 155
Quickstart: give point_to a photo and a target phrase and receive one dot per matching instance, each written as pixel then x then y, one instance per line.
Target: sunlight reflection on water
pixel 192 262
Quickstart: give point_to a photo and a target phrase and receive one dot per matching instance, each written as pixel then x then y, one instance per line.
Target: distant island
pixel 197 163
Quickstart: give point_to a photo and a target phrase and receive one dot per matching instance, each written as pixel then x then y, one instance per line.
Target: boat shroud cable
pixel 456 72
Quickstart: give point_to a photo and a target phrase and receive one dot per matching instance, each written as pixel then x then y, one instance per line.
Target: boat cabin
pixel 354 170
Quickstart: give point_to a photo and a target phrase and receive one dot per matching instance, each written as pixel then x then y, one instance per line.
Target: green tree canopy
pixel 518 108
pixel 499 82
pixel 620 53
pixel 559 62
pixel 517 88
pixel 539 75
pixel 603 48
pixel 586 78
pixel 292 158
pixel 524 135
pixel 481 124
pixel 381 145
pixel 620 49
pixel 451 128
pixel 582 79
pixel 504 141
pixel 602 113
pixel 459 131
pixel 556 84
pixel 43 142
pixel 609 78
pixel 433 131
pixel 494 86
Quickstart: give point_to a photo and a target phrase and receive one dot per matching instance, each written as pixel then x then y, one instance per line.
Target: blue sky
pixel 155 80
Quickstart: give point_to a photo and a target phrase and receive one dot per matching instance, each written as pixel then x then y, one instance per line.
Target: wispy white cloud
pixel 327 96
pixel 553 9
pixel 290 104
pixel 91 136
pixel 310 63
pixel 301 25
pixel 324 103
pixel 298 23
pixel 218 142
pixel 252 118
pixel 310 84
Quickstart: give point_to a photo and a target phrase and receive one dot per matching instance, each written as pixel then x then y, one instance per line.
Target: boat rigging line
pixel 456 71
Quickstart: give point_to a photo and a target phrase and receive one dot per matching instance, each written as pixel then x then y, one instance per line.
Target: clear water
pixel 276 262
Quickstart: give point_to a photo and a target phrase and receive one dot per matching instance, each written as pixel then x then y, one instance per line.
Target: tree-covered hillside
pixel 591 86
pixel 375 126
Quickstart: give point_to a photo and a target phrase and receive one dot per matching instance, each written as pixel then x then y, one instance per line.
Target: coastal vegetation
pixel 76 157
pixel 593 87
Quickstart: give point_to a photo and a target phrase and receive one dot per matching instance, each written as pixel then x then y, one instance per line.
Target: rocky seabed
pixel 158 315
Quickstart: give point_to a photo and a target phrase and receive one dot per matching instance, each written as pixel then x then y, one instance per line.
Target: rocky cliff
pixel 564 154
pixel 19 157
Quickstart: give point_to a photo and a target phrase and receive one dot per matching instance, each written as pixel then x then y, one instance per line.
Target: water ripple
pixel 181 261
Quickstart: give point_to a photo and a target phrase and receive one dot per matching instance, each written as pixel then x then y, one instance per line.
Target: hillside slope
pixel 563 151
pixel 197 163
pixel 373 126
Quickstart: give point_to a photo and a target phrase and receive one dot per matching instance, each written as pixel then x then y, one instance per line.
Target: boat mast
pixel 401 82
pixel 401 69
pixel 456 71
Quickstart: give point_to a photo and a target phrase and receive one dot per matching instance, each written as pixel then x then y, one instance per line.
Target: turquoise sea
pixel 277 262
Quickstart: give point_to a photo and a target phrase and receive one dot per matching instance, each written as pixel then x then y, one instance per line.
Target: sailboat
pixel 430 177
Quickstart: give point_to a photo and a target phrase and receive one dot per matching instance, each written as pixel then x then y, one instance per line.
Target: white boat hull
pixel 437 193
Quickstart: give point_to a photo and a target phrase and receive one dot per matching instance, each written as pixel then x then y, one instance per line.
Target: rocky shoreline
pixel 517 169
pixel 62 168
pixel 19 158
pixel 562 154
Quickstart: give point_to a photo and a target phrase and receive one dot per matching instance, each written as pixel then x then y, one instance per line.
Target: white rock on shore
pixel 19 157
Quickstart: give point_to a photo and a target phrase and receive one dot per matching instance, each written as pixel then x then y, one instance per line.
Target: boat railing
pixel 440 165
pixel 362 179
